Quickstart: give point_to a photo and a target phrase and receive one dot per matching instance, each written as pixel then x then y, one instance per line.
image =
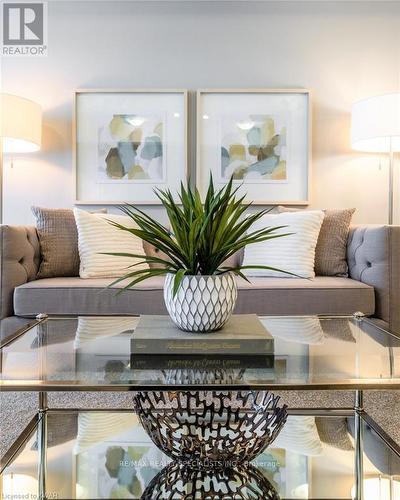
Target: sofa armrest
pixel 20 259
pixel 373 256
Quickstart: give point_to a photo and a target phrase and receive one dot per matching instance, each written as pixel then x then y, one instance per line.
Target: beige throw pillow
pixel 96 235
pixel 330 253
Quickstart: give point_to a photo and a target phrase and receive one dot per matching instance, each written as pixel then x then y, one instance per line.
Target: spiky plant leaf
pixel 201 235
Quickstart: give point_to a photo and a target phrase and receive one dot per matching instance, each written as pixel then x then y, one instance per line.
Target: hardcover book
pixel 243 334
pixel 200 362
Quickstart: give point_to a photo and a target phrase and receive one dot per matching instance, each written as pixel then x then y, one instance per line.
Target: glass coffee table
pixel 108 453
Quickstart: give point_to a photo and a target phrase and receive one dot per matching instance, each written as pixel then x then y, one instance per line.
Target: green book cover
pixel 242 334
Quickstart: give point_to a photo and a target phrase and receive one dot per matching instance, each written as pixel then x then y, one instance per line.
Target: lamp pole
pixel 1 180
pixel 391 172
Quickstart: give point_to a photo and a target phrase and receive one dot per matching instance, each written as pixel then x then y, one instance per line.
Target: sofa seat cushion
pixel 265 295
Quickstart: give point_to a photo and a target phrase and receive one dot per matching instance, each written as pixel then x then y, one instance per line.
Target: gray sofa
pixel 373 285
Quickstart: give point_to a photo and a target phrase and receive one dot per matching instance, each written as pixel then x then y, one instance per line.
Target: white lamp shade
pixel 375 124
pixel 20 124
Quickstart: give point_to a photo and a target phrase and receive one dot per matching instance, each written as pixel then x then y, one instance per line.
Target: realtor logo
pixel 24 29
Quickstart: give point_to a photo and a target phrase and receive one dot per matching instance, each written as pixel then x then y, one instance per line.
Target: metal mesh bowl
pixel 181 483
pixel 211 429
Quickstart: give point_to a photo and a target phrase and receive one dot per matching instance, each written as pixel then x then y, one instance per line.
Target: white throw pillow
pixel 298 329
pixel 294 253
pixel 97 235
pixel 300 435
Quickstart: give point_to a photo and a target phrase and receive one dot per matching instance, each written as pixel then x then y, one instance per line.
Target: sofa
pixel 372 287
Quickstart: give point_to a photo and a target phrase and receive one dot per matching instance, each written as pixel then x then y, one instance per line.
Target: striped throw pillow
pixel 294 253
pixel 96 235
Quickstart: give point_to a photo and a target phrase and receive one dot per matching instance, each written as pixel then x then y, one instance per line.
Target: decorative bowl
pixel 211 429
pixel 179 482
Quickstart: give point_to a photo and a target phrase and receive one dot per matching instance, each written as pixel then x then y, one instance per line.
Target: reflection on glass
pixel 93 455
pixel 16 486
pixel 97 351
pixel 380 488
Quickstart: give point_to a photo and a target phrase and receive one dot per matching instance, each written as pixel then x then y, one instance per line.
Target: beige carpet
pixel 16 409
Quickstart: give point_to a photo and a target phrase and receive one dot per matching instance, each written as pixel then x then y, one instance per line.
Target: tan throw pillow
pixel 330 253
pixel 58 238
pixel 334 432
pixel 151 251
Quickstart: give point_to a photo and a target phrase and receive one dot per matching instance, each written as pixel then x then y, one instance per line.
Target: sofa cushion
pixel 294 252
pixel 330 252
pixel 97 236
pixel 264 295
pixel 58 236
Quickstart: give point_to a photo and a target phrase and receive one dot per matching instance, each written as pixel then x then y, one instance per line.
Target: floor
pixel 16 409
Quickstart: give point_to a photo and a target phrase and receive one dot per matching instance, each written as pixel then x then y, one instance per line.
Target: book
pixel 199 362
pixel 243 334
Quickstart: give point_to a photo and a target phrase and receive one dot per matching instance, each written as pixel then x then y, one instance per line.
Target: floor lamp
pixel 375 128
pixel 20 130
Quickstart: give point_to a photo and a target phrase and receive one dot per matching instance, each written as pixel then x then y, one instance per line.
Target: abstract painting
pixel 259 137
pixel 253 148
pixel 129 143
pixel 131 149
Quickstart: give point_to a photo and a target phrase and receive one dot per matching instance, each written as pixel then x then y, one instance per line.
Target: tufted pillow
pixel 330 253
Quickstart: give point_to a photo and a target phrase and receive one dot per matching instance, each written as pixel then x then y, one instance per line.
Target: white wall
pixel 342 51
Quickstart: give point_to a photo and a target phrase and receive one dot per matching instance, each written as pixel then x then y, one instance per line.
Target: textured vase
pixel 202 303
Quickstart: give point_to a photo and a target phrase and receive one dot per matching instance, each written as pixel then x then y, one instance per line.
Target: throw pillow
pixel 300 435
pixel 334 432
pixel 96 235
pixel 58 240
pixel 294 253
pixel 330 254
pixel 151 251
pixel 300 329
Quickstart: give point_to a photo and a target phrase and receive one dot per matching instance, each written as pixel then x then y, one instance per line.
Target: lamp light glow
pixel 375 125
pixel 375 128
pixel 379 488
pixel 20 124
pixel 245 125
pixel 136 121
pixel 19 486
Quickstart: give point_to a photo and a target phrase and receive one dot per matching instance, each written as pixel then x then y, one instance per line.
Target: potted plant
pixel 200 289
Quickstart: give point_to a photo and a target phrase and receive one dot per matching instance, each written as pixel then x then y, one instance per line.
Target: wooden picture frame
pixel 93 178
pixel 295 182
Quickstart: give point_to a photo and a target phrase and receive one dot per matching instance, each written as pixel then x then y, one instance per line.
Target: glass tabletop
pixel 94 353
pixel 92 455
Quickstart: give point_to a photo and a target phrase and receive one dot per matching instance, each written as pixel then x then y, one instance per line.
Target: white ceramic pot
pixel 203 303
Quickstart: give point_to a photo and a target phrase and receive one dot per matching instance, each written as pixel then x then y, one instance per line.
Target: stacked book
pixel 242 343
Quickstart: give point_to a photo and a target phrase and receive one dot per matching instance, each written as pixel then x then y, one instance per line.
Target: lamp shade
pixel 375 124
pixel 20 124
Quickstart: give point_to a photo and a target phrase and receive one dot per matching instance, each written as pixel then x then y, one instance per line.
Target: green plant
pixel 202 235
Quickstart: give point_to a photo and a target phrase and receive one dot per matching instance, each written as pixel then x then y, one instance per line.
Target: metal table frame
pixel 39 421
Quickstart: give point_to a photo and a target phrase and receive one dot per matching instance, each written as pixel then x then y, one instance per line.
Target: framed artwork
pixel 114 457
pixel 260 137
pixel 127 143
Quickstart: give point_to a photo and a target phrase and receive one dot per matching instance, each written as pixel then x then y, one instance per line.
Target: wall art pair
pixel 129 142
